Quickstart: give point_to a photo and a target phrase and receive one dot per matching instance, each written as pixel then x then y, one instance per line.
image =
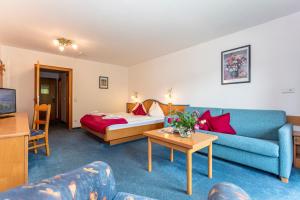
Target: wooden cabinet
pixel 297 149
pixel 14 133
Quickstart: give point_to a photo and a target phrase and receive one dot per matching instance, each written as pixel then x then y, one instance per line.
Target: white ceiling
pixel 127 32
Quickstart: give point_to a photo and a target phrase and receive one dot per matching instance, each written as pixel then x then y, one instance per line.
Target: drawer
pixel 297 140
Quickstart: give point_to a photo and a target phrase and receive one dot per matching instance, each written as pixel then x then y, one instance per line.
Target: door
pixel 48 94
pixel 37 83
pixel 59 99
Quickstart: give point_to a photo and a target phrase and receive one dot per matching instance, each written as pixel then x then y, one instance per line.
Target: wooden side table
pixel 186 145
pixel 297 149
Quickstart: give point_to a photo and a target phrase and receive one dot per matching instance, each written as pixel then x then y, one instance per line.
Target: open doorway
pixel 53 85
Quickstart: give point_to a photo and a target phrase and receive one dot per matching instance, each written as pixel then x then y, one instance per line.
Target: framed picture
pixel 235 65
pixel 103 82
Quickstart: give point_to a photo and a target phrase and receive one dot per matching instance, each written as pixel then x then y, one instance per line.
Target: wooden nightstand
pixel 297 149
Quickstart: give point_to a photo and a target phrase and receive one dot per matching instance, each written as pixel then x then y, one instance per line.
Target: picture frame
pixel 103 82
pixel 236 65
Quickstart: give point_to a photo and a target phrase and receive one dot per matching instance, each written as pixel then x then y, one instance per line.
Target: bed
pixel 136 126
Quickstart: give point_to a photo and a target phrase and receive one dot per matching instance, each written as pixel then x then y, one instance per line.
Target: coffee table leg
pixel 171 154
pixel 149 155
pixel 210 161
pixel 189 171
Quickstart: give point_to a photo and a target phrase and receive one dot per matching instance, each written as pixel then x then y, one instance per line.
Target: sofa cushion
pixel 221 124
pixel 254 145
pixel 201 110
pixel 262 124
pixel 203 121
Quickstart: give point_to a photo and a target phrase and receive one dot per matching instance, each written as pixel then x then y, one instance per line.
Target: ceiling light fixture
pixel 62 43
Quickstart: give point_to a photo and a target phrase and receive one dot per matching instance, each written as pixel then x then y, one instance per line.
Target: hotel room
pixel 139 99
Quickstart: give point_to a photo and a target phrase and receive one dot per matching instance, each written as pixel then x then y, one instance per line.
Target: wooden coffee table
pixel 188 145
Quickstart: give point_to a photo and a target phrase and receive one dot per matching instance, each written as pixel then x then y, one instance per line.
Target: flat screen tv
pixel 7 101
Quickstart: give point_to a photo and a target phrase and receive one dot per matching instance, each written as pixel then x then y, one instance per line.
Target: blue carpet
pixel 72 149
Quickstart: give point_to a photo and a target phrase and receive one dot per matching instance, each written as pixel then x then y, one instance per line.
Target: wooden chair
pixel 37 133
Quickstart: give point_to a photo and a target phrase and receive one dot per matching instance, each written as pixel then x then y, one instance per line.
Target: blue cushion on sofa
pixel 201 110
pixel 262 124
pixel 253 145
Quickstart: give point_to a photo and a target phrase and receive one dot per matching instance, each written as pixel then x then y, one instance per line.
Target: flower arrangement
pixel 185 123
pixel 234 63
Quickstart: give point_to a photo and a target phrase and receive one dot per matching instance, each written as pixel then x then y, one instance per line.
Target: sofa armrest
pixel 92 181
pixel 285 150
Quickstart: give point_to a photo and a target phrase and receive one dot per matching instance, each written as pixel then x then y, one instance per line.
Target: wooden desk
pixel 297 149
pixel 188 146
pixel 14 133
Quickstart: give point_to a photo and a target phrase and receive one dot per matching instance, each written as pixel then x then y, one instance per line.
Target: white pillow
pixel 155 110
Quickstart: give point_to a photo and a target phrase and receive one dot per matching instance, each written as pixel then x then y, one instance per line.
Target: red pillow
pixel 139 110
pixel 221 124
pixel 203 121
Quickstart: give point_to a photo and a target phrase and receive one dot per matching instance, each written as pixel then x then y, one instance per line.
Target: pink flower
pixel 170 120
pixel 178 120
pixel 197 127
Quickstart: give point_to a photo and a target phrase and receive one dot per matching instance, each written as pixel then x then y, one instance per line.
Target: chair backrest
pixel 46 108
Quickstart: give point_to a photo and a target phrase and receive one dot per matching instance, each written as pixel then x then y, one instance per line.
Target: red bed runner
pixel 97 123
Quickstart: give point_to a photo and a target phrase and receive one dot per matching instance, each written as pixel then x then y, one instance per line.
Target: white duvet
pixel 133 120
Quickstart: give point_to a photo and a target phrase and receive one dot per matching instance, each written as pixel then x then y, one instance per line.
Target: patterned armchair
pixel 93 181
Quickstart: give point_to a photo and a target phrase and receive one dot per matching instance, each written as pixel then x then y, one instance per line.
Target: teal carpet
pixel 72 149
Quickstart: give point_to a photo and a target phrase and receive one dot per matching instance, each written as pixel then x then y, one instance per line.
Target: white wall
pixel 195 73
pixel 86 93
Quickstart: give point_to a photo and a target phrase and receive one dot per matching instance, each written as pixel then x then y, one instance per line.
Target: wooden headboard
pixel 295 120
pixel 165 107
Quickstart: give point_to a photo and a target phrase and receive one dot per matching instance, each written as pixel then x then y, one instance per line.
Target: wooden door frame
pixel 69 73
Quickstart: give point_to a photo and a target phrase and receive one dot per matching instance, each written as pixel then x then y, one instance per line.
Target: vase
pixel 185 132
pixel 234 74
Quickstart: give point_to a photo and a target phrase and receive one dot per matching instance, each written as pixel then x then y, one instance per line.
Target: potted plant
pixel 184 123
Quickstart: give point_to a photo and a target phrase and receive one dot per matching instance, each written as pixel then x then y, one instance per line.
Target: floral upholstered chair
pixel 93 181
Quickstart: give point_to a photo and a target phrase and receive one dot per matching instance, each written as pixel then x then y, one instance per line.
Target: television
pixel 7 101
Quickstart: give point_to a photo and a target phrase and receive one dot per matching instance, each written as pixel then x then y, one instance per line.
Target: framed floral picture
pixel 236 64
pixel 103 82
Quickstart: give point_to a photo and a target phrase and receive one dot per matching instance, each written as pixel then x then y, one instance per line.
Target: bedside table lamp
pixel 135 97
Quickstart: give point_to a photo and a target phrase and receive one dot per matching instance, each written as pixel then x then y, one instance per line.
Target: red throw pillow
pixel 139 110
pixel 221 124
pixel 203 121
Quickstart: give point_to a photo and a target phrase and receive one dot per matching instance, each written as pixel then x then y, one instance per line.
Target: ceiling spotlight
pixel 61 48
pixel 75 46
pixel 62 43
pixel 56 42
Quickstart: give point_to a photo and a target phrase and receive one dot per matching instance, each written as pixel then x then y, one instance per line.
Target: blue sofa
pixel 93 181
pixel 263 139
